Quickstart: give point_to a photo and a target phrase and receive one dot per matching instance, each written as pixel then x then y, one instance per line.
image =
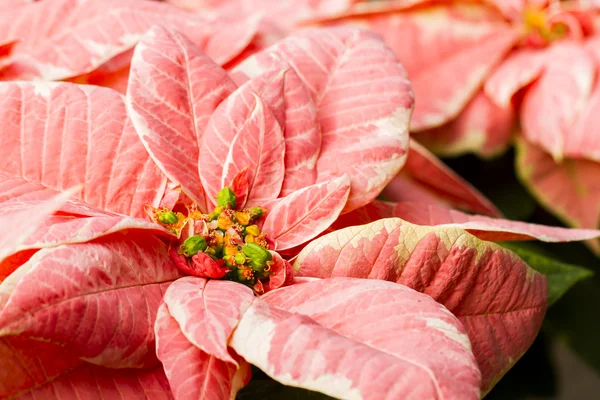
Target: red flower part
pixel 281 273
pixel 201 265
pixel 206 267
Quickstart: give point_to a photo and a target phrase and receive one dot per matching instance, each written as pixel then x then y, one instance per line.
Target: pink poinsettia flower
pixel 506 59
pixel 99 260
pixel 91 41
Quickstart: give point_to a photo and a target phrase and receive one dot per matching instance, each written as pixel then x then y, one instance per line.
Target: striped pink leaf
pixel 520 68
pixel 282 90
pixel 483 128
pixel 551 106
pixel 570 190
pixel 485 228
pixel 30 216
pixel 75 37
pixel 32 369
pixel 243 133
pixel 360 89
pixel 173 90
pixel 63 135
pixel 194 374
pixel 299 217
pixel 426 179
pixel 352 338
pixel 435 41
pixel 208 311
pixel 98 300
pixel 498 298
pixel 91 382
pixel 26 363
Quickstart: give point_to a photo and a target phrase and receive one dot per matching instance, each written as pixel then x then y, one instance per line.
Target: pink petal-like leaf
pixel 570 190
pixel 29 216
pixel 430 178
pixel 281 274
pixel 74 37
pixel 551 106
pixel 194 374
pixel 208 311
pixel 31 369
pixel 485 228
pixel 63 135
pixel 98 299
pixel 25 364
pixel 464 41
pixel 520 68
pixel 497 297
pixel 352 338
pixel 305 213
pixel 360 89
pixel 483 128
pixel 173 90
pixel 243 133
pixel 91 382
pixel 282 90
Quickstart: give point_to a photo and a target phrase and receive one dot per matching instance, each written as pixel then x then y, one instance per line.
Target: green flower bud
pixel 240 258
pixel 168 218
pixel 226 198
pixel 193 245
pixel 245 276
pixel 256 212
pixel 258 256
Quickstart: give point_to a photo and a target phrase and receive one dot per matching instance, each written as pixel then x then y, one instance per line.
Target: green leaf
pixel 561 276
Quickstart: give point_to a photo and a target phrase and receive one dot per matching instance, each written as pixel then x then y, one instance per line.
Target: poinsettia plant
pixel 197 190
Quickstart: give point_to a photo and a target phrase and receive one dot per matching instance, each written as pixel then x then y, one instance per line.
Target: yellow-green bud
pixel 253 230
pixel 256 212
pixel 240 258
pixel 193 245
pixel 168 218
pixel 226 198
pixel 258 256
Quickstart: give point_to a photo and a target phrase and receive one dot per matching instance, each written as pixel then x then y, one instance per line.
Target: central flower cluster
pixel 224 244
pixel 540 29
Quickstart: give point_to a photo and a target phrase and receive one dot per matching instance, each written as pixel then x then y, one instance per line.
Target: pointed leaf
pixel 75 37
pixel 497 297
pixel 207 311
pixel 173 90
pixel 485 228
pixel 433 42
pixel 424 170
pixel 483 128
pixel 305 213
pixel 194 374
pixel 284 93
pixel 25 364
pixel 551 106
pixel 338 336
pixel 570 190
pixel 243 133
pixel 91 382
pixel 360 89
pixel 520 68
pixel 98 299
pixel 30 216
pixel 62 135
